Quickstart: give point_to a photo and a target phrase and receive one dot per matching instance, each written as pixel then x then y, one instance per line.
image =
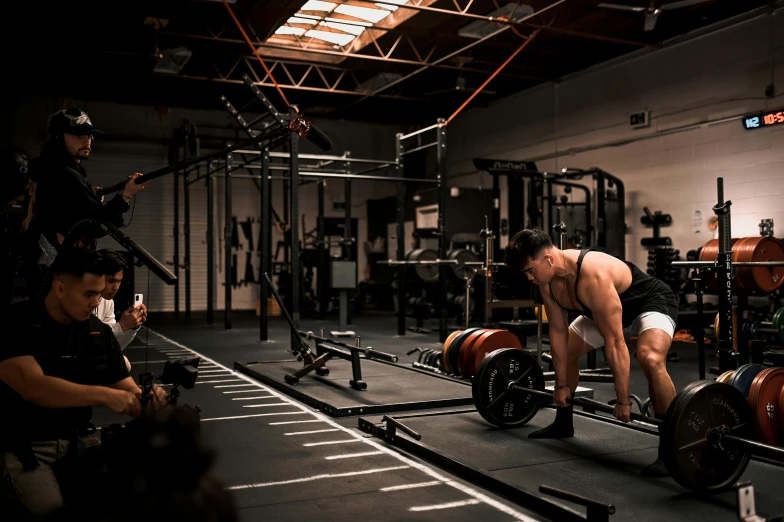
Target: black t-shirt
pixel 82 352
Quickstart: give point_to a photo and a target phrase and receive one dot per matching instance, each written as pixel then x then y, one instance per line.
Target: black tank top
pixel 645 294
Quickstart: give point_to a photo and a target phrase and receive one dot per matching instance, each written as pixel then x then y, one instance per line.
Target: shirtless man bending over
pixel 612 297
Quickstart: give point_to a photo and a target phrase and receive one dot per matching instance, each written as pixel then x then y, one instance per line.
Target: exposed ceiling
pixel 103 50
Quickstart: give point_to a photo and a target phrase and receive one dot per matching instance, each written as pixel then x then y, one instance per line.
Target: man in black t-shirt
pixel 57 362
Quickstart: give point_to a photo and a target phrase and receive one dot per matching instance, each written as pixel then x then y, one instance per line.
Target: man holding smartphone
pixel 131 319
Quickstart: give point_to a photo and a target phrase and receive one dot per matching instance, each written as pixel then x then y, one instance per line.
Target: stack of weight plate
pixel 465 349
pixel 764 389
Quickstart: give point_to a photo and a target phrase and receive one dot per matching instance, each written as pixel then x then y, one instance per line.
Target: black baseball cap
pixel 71 121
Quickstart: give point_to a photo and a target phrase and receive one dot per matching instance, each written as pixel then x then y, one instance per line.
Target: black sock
pixel 657 467
pixel 561 428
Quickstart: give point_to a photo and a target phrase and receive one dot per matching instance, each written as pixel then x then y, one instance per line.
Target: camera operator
pixel 131 319
pixel 57 362
pixel 60 195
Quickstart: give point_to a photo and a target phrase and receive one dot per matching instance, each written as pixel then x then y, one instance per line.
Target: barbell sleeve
pixel 581 401
pixel 755 448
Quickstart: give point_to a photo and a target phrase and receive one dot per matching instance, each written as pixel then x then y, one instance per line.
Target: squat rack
pixel 728 359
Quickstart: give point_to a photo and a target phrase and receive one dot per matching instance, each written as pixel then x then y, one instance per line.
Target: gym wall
pixel 584 120
pixel 137 140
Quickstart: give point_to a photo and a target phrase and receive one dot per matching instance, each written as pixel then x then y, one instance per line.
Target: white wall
pixel 137 141
pixel 581 122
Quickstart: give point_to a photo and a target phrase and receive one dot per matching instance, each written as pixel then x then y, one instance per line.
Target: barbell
pixel 706 432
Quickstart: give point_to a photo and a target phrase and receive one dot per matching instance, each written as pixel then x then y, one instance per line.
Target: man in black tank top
pixel 612 298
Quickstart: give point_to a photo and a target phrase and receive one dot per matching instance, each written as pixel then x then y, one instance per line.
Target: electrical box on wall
pixel 638 120
pixel 338 205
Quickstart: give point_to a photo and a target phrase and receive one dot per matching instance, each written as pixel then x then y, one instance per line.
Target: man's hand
pixel 133 317
pixel 96 189
pixel 132 188
pixel 623 412
pixel 159 398
pixel 560 396
pixel 122 402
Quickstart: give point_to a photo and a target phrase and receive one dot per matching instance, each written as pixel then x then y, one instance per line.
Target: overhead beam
pixel 354 56
pixel 503 21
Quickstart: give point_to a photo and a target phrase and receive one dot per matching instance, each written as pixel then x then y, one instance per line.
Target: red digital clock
pixel 763 119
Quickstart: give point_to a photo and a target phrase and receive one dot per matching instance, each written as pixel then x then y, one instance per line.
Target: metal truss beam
pixel 355 56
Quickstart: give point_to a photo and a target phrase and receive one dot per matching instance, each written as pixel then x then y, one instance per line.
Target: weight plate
pixel 725 377
pixel 489 387
pixel 744 376
pixel 759 249
pixel 488 343
pixel 454 349
pixel 781 410
pixel 459 271
pixel 778 322
pixel 428 273
pixel 446 347
pixel 764 401
pixel 693 462
pixel 465 351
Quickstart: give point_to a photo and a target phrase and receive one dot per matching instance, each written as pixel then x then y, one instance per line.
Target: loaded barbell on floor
pixel 705 434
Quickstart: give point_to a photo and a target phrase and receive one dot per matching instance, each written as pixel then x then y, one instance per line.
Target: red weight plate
pixel 465 350
pixel 781 409
pixel 764 397
pixel 490 342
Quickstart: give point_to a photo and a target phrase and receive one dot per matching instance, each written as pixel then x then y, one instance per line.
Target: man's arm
pixel 558 331
pixel 599 294
pixel 25 376
pixel 129 385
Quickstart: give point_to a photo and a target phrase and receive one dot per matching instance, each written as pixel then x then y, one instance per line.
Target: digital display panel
pixel 763 119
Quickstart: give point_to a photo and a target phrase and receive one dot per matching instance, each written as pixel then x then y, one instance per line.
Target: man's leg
pixel 652 347
pixel 31 493
pixel 583 337
pixel 653 343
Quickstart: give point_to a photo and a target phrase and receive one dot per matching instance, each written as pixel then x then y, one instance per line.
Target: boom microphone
pixel 319 139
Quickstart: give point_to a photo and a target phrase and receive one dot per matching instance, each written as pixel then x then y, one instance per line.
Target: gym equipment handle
pixel 580 401
pixel 577 499
pixel 402 427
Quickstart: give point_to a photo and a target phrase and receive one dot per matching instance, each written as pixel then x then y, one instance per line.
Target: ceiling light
pixel 349 22
pixel 353 29
pixel 298 20
pixel 318 5
pixel 365 13
pixel 285 29
pixel 335 38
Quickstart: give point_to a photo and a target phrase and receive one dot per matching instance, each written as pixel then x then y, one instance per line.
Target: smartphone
pixel 138 299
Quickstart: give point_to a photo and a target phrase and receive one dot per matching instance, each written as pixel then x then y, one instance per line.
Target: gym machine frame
pixel 728 360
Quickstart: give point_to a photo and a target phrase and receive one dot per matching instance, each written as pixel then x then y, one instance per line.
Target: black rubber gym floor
pixel 283 460
pixel 287 460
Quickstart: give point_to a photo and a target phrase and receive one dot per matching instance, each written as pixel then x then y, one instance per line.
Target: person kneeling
pixel 57 362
